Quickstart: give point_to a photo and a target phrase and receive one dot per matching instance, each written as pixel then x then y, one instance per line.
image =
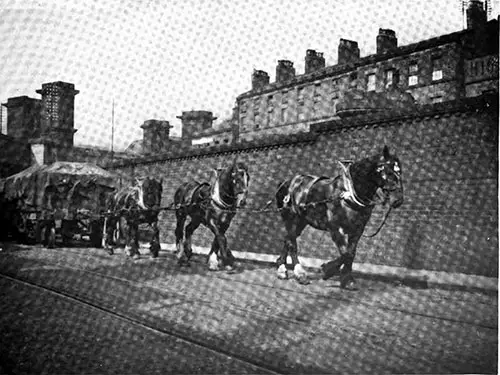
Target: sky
pixel 154 59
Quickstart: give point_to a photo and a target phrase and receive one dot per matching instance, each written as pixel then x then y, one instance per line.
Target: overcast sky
pixel 158 58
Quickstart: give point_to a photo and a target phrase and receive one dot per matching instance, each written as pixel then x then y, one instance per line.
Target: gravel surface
pixel 316 328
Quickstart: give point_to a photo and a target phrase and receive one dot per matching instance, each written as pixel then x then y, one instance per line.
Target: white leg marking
pixel 299 271
pixel 282 272
pixel 213 262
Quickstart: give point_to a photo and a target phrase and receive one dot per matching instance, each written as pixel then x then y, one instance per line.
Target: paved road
pixel 297 329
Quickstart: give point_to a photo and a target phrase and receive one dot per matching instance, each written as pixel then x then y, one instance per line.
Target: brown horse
pixel 341 206
pixel 129 207
pixel 213 205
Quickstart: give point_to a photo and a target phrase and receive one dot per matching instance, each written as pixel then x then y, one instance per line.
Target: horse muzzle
pixel 241 200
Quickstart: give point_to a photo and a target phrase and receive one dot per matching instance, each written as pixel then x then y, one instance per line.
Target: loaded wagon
pixel 62 202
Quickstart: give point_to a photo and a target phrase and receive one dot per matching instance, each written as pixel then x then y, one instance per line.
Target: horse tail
pixel 282 192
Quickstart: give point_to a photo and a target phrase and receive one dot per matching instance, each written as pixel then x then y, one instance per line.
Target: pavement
pixel 405 276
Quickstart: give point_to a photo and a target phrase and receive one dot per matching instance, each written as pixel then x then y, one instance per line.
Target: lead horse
pixel 213 205
pixel 129 207
pixel 341 206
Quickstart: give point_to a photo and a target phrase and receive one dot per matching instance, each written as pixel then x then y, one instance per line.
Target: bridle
pixel 217 196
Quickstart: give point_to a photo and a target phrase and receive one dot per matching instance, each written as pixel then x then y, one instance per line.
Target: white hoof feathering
pixel 128 250
pixel 213 262
pixel 299 271
pixel 282 272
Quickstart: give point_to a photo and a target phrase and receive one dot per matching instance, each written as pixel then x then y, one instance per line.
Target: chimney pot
pixel 348 51
pixel 386 41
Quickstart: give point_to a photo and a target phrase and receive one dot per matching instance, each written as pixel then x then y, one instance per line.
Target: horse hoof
pixel 136 256
pixel 348 284
pixel 110 251
pixel 230 269
pixel 282 272
pixel 330 269
pixel 303 280
pixel 282 276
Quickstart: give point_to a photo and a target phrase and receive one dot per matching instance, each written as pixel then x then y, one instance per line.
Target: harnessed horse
pixel 129 207
pixel 213 205
pixel 342 206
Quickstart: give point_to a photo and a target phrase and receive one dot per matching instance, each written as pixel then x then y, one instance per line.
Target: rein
pixel 380 226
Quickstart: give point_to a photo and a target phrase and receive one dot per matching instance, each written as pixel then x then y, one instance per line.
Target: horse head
pixel 237 181
pixel 152 191
pixel 389 179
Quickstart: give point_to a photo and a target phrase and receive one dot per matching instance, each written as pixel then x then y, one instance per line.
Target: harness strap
pixel 294 184
pixel 216 198
pixel 350 194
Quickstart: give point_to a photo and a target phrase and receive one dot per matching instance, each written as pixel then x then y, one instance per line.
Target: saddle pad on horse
pixel 298 191
pixel 192 191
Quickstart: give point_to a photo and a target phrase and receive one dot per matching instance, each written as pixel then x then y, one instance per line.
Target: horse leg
pixel 346 279
pixel 110 225
pixel 134 240
pixel 221 239
pixel 332 268
pixel 179 231
pixel 298 270
pixel 188 250
pixel 213 260
pixel 125 233
pixel 154 247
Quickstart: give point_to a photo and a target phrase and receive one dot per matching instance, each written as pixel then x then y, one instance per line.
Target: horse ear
pixel 386 152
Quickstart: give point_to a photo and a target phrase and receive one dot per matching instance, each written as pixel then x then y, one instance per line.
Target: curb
pixel 405 276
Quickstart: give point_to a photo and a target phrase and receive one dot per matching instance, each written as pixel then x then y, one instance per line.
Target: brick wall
pixel 448 222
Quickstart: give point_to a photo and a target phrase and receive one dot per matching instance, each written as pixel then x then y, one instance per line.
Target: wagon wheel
pixel 67 232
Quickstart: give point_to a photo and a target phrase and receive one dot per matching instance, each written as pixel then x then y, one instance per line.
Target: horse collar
pixel 216 198
pixel 350 193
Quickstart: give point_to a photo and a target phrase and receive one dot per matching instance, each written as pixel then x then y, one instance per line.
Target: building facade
pixel 448 67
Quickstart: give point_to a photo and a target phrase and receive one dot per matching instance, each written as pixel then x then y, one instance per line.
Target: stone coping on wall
pixel 187 153
pixel 484 102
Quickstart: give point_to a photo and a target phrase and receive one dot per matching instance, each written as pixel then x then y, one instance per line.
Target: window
pixel 256 105
pixel 413 71
pixel 389 78
pixel 300 95
pixel 270 105
pixel 270 109
pixel 284 97
pixel 371 82
pixel 243 107
pixel 437 99
pixel 282 116
pixel 335 88
pixel 437 68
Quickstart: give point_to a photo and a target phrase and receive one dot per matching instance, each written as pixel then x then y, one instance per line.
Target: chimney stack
pixel 348 51
pixel 386 41
pixel 284 71
pixel 155 137
pixel 476 14
pixel 260 79
pixel 314 61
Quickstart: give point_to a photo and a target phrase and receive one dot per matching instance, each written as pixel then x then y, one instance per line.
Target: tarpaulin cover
pixel 61 186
